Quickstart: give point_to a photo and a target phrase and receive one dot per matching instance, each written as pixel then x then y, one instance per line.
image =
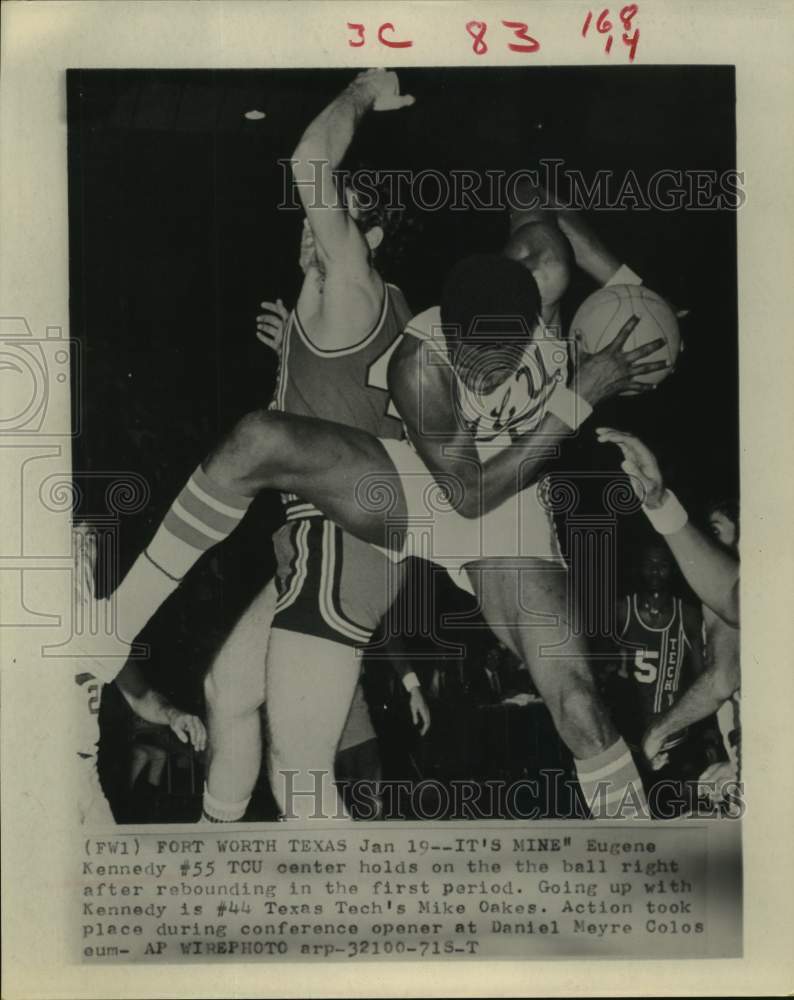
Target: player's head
pixel 544 251
pixel 368 198
pixel 656 567
pixel 723 518
pixel 490 308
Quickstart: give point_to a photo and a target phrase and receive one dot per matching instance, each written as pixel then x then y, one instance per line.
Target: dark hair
pixel 379 205
pixel 488 298
pixel 728 507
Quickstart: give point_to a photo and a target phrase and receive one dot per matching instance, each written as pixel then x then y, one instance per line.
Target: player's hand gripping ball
pixel 601 315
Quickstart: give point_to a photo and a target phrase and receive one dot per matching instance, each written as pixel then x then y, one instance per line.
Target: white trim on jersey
pixel 627 622
pixel 301 569
pixel 653 628
pixel 281 383
pixel 341 352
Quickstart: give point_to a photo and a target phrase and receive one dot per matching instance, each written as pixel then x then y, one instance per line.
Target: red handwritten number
pixel 388 26
pixel 626 16
pixel 603 24
pixel 477 31
pixel 520 31
pixel 604 27
pixel 356 44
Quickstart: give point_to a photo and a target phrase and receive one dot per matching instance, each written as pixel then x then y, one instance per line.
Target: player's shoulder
pixel 397 300
pixel 426 325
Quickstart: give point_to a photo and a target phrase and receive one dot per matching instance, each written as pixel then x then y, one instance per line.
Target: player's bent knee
pixel 252 453
pixel 257 435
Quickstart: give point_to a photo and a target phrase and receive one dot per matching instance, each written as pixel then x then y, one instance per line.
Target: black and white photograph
pixel 256 265
pixel 381 491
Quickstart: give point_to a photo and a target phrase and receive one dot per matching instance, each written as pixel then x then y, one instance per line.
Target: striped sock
pixel 609 781
pixel 203 514
pixel 215 811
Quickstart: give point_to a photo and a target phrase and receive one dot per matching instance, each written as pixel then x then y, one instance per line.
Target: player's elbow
pixel 308 157
pixel 462 486
pixel 725 680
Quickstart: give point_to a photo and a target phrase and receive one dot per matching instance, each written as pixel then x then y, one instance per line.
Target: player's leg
pixel 157 762
pixel 343 471
pixel 525 602
pixel 140 759
pixel 333 591
pixel 234 689
pixel 310 684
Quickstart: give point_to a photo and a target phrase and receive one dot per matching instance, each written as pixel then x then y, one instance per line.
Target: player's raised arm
pixel 534 204
pixel 710 571
pixel 321 150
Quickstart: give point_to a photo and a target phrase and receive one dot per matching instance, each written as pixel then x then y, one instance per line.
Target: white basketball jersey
pixel 518 404
pixel 519 527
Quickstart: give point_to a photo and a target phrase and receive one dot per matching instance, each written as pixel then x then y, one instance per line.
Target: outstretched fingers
pixel 610 435
pixel 624 333
pixel 645 349
pixel 649 366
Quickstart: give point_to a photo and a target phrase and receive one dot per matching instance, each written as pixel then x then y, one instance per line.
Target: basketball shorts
pixel 330 584
pixel 521 527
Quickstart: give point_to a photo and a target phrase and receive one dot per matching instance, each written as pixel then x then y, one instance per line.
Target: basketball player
pixel 148 704
pixel 712 570
pixel 664 638
pixel 332 589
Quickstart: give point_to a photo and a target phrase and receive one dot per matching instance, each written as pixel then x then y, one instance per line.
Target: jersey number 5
pixel 645 671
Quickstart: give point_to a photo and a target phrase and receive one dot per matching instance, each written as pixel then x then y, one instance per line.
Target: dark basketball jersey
pixel 347 385
pixel 661 670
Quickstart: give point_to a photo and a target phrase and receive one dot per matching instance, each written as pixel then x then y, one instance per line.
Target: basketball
pixel 600 317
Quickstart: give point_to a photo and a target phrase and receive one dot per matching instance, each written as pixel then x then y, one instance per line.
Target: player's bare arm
pixel 711 571
pixel 590 252
pixel 352 290
pixel 425 393
pixel 708 691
